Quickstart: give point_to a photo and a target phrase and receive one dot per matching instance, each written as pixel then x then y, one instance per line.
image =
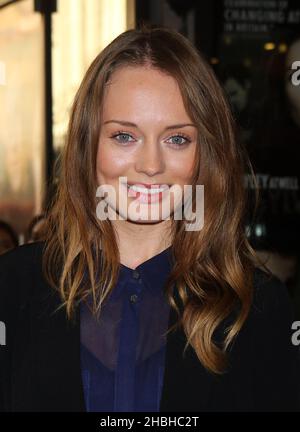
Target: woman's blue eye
pixel 122 137
pixel 179 140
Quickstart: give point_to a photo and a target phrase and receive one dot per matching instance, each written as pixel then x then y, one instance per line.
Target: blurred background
pixel 46 47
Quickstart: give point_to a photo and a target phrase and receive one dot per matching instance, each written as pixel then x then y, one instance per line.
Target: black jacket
pixel 40 363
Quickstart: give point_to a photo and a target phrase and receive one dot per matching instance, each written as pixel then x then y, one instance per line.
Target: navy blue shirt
pixel 123 351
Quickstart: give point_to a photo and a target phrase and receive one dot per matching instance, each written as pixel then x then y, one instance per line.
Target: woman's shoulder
pixel 22 256
pixel 272 312
pixel 270 293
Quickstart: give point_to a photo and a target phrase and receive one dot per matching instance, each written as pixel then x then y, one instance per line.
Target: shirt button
pixel 135 274
pixel 133 298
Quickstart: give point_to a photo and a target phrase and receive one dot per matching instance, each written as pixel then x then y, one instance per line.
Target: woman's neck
pixel 139 242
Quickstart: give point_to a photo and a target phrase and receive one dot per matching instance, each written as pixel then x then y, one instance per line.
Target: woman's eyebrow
pixel 126 123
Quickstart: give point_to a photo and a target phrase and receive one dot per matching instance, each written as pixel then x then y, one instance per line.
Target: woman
pixel 124 307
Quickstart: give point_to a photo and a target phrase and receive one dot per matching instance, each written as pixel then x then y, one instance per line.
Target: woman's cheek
pixel 183 172
pixel 112 167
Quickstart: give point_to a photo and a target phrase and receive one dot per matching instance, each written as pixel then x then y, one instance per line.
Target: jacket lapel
pixel 187 386
pixel 58 361
pixel 47 375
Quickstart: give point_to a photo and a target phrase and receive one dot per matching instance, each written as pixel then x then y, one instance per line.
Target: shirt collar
pixel 153 273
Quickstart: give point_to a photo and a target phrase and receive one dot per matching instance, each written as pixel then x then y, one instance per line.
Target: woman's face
pixel 147 136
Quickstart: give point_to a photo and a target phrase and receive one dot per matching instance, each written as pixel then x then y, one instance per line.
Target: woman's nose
pixel 150 159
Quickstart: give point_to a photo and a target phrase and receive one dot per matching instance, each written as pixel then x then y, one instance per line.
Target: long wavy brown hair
pixel 213 267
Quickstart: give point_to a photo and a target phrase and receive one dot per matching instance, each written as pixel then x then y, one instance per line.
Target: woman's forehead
pixel 143 93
